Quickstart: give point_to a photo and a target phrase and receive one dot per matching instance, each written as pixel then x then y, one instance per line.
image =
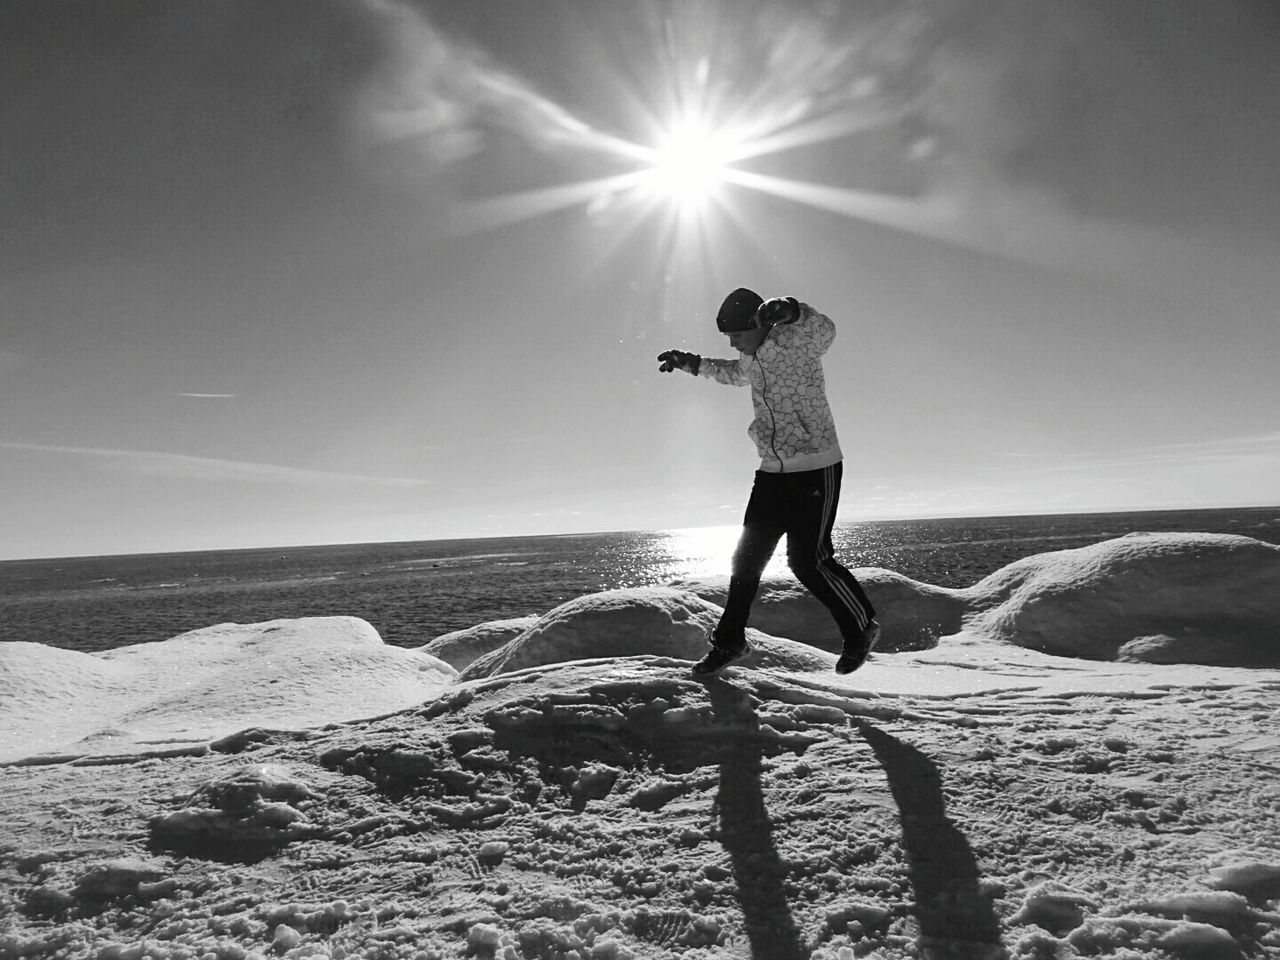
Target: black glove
pixel 679 360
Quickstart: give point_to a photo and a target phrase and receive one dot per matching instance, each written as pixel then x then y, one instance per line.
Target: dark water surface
pixel 413 592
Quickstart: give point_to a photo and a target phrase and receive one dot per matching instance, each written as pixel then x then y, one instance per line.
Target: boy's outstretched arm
pixel 728 372
pixel 721 371
pixel 679 360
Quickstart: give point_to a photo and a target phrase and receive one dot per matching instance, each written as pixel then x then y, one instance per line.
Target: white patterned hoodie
pixel 793 429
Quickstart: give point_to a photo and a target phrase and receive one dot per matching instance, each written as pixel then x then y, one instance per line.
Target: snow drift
pixel 913 615
pixel 1171 598
pixel 638 621
pixel 1162 598
pixel 460 647
pixel 1168 598
pixel 208 683
pixel 577 795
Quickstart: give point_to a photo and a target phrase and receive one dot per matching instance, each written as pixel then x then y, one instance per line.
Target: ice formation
pixel 179 694
pixel 1169 597
pixel 298 789
pixel 459 647
pixel 638 621
pixel 1160 598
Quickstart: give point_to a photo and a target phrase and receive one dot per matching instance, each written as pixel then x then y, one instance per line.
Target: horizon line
pixel 1117 511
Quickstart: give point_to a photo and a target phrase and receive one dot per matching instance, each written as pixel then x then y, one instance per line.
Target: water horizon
pixel 922 518
pixel 412 591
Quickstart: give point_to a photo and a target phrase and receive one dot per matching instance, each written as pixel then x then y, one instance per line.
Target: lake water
pixel 413 592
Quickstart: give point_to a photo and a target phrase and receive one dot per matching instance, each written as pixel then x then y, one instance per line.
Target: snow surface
pixel 205 684
pixel 300 789
pixel 461 647
pixel 1215 598
pixel 1156 597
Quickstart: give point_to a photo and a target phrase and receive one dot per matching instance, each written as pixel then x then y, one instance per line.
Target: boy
pixel 797 487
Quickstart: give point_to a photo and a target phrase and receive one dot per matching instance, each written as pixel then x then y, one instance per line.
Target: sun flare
pixel 687 169
pixel 690 163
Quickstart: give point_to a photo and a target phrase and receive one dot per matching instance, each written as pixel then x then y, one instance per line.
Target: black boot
pixel 727 646
pixel 858 648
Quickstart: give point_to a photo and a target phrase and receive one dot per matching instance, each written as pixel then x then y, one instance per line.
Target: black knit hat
pixel 738 312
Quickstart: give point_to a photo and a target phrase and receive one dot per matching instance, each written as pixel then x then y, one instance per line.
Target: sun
pixel 690 163
pixel 693 160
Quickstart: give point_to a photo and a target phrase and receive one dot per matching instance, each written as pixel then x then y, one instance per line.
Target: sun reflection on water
pixel 708 551
pixel 664 556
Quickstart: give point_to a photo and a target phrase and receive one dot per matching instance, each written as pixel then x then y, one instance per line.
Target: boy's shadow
pixel 949 903
pixel 747 833
pixel 944 871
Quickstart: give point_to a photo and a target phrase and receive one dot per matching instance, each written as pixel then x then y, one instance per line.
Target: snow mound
pixel 1161 597
pixel 177 695
pixel 1248 877
pixel 1185 598
pixel 1145 598
pixel 245 815
pixel 912 615
pixel 461 647
pixel 636 621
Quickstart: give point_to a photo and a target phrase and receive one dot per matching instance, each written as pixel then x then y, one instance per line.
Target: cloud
pixel 1223 449
pixel 209 396
pixel 1249 442
pixel 1003 128
pixel 443 92
pixel 150 463
pixel 1257 448
pixel 440 92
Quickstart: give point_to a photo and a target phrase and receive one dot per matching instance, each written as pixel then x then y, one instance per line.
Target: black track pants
pixel 801 506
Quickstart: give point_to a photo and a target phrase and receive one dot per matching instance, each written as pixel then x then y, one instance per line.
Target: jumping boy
pixel 797 487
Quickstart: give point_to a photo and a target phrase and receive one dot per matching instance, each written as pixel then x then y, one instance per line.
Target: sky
pixel 318 272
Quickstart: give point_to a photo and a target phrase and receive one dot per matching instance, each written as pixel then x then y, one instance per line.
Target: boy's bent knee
pixel 803 569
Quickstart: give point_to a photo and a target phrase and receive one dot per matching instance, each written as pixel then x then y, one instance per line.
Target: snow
pixel 298 788
pixel 180 694
pixel 913 615
pixel 461 647
pixel 637 621
pixel 1214 598
pixel 1170 597
pixel 1244 876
